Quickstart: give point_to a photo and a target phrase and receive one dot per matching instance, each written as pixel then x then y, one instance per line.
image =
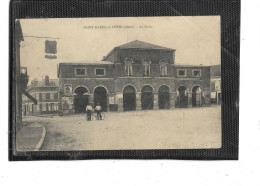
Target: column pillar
pixel 206 98
pixel 119 101
pixel 71 103
pixel 91 99
pixel 110 100
pixel 138 101
pixel 173 99
pixel 155 101
pixel 189 99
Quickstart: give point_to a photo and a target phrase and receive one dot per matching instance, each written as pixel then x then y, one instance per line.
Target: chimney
pixel 47 81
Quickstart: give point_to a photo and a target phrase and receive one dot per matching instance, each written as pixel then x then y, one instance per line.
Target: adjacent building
pixel 46 94
pixel 215 84
pixel 133 76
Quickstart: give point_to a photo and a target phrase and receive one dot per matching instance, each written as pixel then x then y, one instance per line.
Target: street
pixel 155 129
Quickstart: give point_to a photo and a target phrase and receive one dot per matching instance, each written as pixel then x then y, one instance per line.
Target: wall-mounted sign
pixel 111 100
pixel 50 49
pixel 67 89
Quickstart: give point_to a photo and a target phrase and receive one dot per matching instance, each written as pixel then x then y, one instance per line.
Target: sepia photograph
pixel 122 83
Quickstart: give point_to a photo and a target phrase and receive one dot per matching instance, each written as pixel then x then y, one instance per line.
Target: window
pixel 182 73
pixel 163 67
pixel 196 73
pixel 47 96
pixel 212 86
pixel 55 95
pixel 51 106
pixel 47 107
pixel 80 71
pixel 100 72
pixel 129 67
pixel 146 67
pixel 40 105
pixel 40 96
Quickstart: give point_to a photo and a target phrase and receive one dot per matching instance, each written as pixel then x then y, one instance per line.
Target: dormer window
pixel 146 67
pixel 129 66
pixel 163 67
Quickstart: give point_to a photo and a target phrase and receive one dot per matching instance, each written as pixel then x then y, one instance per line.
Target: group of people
pixel 89 111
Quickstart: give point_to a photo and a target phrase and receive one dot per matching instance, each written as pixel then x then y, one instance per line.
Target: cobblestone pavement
pixel 155 129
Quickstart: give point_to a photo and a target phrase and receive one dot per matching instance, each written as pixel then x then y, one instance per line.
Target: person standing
pixel 98 110
pixel 89 110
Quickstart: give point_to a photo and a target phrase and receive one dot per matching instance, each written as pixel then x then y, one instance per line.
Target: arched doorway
pixel 164 97
pixel 182 97
pixel 197 96
pixel 147 98
pixel 100 96
pixel 80 99
pixel 129 98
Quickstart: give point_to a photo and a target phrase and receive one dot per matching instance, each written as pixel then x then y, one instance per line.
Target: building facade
pixel 46 94
pixel 133 76
pixel 215 84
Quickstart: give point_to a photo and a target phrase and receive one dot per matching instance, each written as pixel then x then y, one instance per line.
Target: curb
pixel 39 144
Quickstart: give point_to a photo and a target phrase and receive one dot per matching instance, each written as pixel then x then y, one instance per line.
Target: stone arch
pixel 129 98
pixel 197 97
pixel 100 97
pixel 164 85
pixel 100 86
pixel 147 98
pixel 182 96
pixel 197 85
pixel 164 97
pixel 81 86
pixel 129 84
pixel 81 99
pixel 147 84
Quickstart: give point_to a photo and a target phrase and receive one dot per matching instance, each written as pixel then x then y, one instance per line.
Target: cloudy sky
pixel 196 39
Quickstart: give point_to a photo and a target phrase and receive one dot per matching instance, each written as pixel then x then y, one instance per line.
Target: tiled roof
pixel 142 45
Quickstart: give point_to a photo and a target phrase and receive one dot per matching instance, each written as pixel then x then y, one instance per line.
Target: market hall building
pixel 133 76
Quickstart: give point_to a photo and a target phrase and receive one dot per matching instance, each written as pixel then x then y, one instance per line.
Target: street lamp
pixel 23 78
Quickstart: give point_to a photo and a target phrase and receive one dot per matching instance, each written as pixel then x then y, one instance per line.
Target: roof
pixel 215 71
pixel 136 44
pixel 41 84
pixel 87 63
pixel 142 45
pixel 180 65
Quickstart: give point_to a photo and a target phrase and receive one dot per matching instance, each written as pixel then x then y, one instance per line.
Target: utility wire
pixel 41 37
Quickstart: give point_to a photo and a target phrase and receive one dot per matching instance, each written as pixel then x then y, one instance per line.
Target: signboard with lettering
pixel 67 89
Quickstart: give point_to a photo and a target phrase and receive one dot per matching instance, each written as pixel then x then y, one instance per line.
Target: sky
pixel 196 39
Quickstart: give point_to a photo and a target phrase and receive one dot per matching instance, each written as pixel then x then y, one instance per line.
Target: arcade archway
pixel 100 96
pixel 197 96
pixel 80 99
pixel 129 98
pixel 147 98
pixel 164 97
